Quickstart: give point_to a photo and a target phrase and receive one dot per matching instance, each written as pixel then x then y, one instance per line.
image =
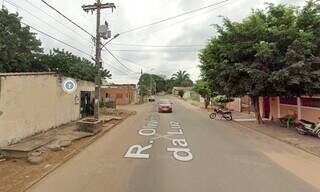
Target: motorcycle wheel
pixel 228 117
pixel 301 132
pixel 318 135
pixel 213 115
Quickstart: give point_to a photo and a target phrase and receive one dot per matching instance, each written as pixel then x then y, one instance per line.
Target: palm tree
pixel 182 78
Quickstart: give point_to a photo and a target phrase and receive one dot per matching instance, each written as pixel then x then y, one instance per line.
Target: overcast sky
pixel 191 30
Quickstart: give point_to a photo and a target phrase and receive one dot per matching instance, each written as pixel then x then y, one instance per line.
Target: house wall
pixel 35 102
pixel 310 114
pixel 278 110
pixel 123 95
pixel 288 110
pixel 274 108
pixel 235 105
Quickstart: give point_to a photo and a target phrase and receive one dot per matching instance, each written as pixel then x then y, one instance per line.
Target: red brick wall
pixel 123 95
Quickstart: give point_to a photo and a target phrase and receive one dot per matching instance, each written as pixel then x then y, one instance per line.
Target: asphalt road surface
pixel 184 152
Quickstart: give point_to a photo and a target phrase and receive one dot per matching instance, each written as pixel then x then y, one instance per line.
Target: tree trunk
pixel 255 103
pixel 206 102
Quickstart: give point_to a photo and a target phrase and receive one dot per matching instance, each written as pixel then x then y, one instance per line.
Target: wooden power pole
pixel 98 6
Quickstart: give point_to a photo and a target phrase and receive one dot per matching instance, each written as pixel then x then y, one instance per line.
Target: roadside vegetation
pixel 151 83
pixel 272 52
pixel 20 51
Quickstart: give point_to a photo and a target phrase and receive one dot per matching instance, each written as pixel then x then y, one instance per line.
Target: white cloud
pixel 191 29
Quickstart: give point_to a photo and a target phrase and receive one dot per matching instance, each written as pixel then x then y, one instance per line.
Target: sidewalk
pixel 17 174
pixel 306 143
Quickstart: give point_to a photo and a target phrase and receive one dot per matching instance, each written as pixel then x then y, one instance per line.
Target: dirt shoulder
pixel 17 174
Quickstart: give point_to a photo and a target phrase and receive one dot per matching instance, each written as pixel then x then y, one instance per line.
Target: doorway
pixel 266 107
pixel 86 106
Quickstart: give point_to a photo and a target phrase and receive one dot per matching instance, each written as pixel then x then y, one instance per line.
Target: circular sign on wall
pixel 69 85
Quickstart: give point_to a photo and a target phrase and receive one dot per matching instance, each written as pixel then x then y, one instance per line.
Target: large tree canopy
pixel 272 52
pixel 69 65
pixel 20 51
pixel 18 45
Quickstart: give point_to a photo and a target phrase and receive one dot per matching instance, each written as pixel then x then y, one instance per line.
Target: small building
pixel 305 107
pixel 122 94
pixel 35 102
pixel 186 91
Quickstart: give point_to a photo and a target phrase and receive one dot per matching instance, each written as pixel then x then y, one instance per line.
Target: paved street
pixel 217 157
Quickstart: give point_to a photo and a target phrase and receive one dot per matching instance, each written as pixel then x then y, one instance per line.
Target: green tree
pixel 222 100
pixel 182 79
pixel 20 51
pixel 18 46
pixel 272 52
pixel 202 88
pixel 154 82
pixel 143 91
pixel 70 65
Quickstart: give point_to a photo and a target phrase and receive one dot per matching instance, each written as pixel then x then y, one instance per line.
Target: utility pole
pixel 151 84
pixel 98 6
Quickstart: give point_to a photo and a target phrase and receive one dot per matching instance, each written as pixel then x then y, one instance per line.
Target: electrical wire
pixel 108 63
pixel 132 62
pixel 74 23
pixel 43 21
pixel 173 17
pixel 117 59
pixel 56 39
pixel 152 50
pixel 161 46
pixel 64 25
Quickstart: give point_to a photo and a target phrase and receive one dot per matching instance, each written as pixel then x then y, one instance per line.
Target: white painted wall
pixel 34 103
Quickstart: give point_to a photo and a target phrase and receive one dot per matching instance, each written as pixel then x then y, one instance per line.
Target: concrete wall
pixel 234 105
pixel 35 102
pixel 274 108
pixel 278 110
pixel 310 114
pixel 122 94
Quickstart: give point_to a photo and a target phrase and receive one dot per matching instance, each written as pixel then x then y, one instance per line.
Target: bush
pixel 181 93
pixel 222 100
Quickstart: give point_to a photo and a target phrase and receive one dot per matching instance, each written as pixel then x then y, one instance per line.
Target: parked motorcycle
pixel 308 128
pixel 227 115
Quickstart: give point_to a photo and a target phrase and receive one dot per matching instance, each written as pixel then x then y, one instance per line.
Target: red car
pixel 165 105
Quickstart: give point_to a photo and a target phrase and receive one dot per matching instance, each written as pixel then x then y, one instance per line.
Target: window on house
pixel 288 101
pixel 310 102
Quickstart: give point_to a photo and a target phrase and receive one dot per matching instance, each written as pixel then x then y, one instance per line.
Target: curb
pixel 278 139
pixel 271 136
pixel 72 154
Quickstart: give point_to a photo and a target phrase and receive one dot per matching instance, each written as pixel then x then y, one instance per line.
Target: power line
pixel 130 61
pixel 152 50
pixel 84 30
pixel 17 6
pixel 66 26
pixel 117 69
pixel 164 46
pixel 54 38
pixel 118 60
pixel 173 17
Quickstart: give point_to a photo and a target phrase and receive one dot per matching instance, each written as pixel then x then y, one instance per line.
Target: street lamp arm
pixel 114 37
